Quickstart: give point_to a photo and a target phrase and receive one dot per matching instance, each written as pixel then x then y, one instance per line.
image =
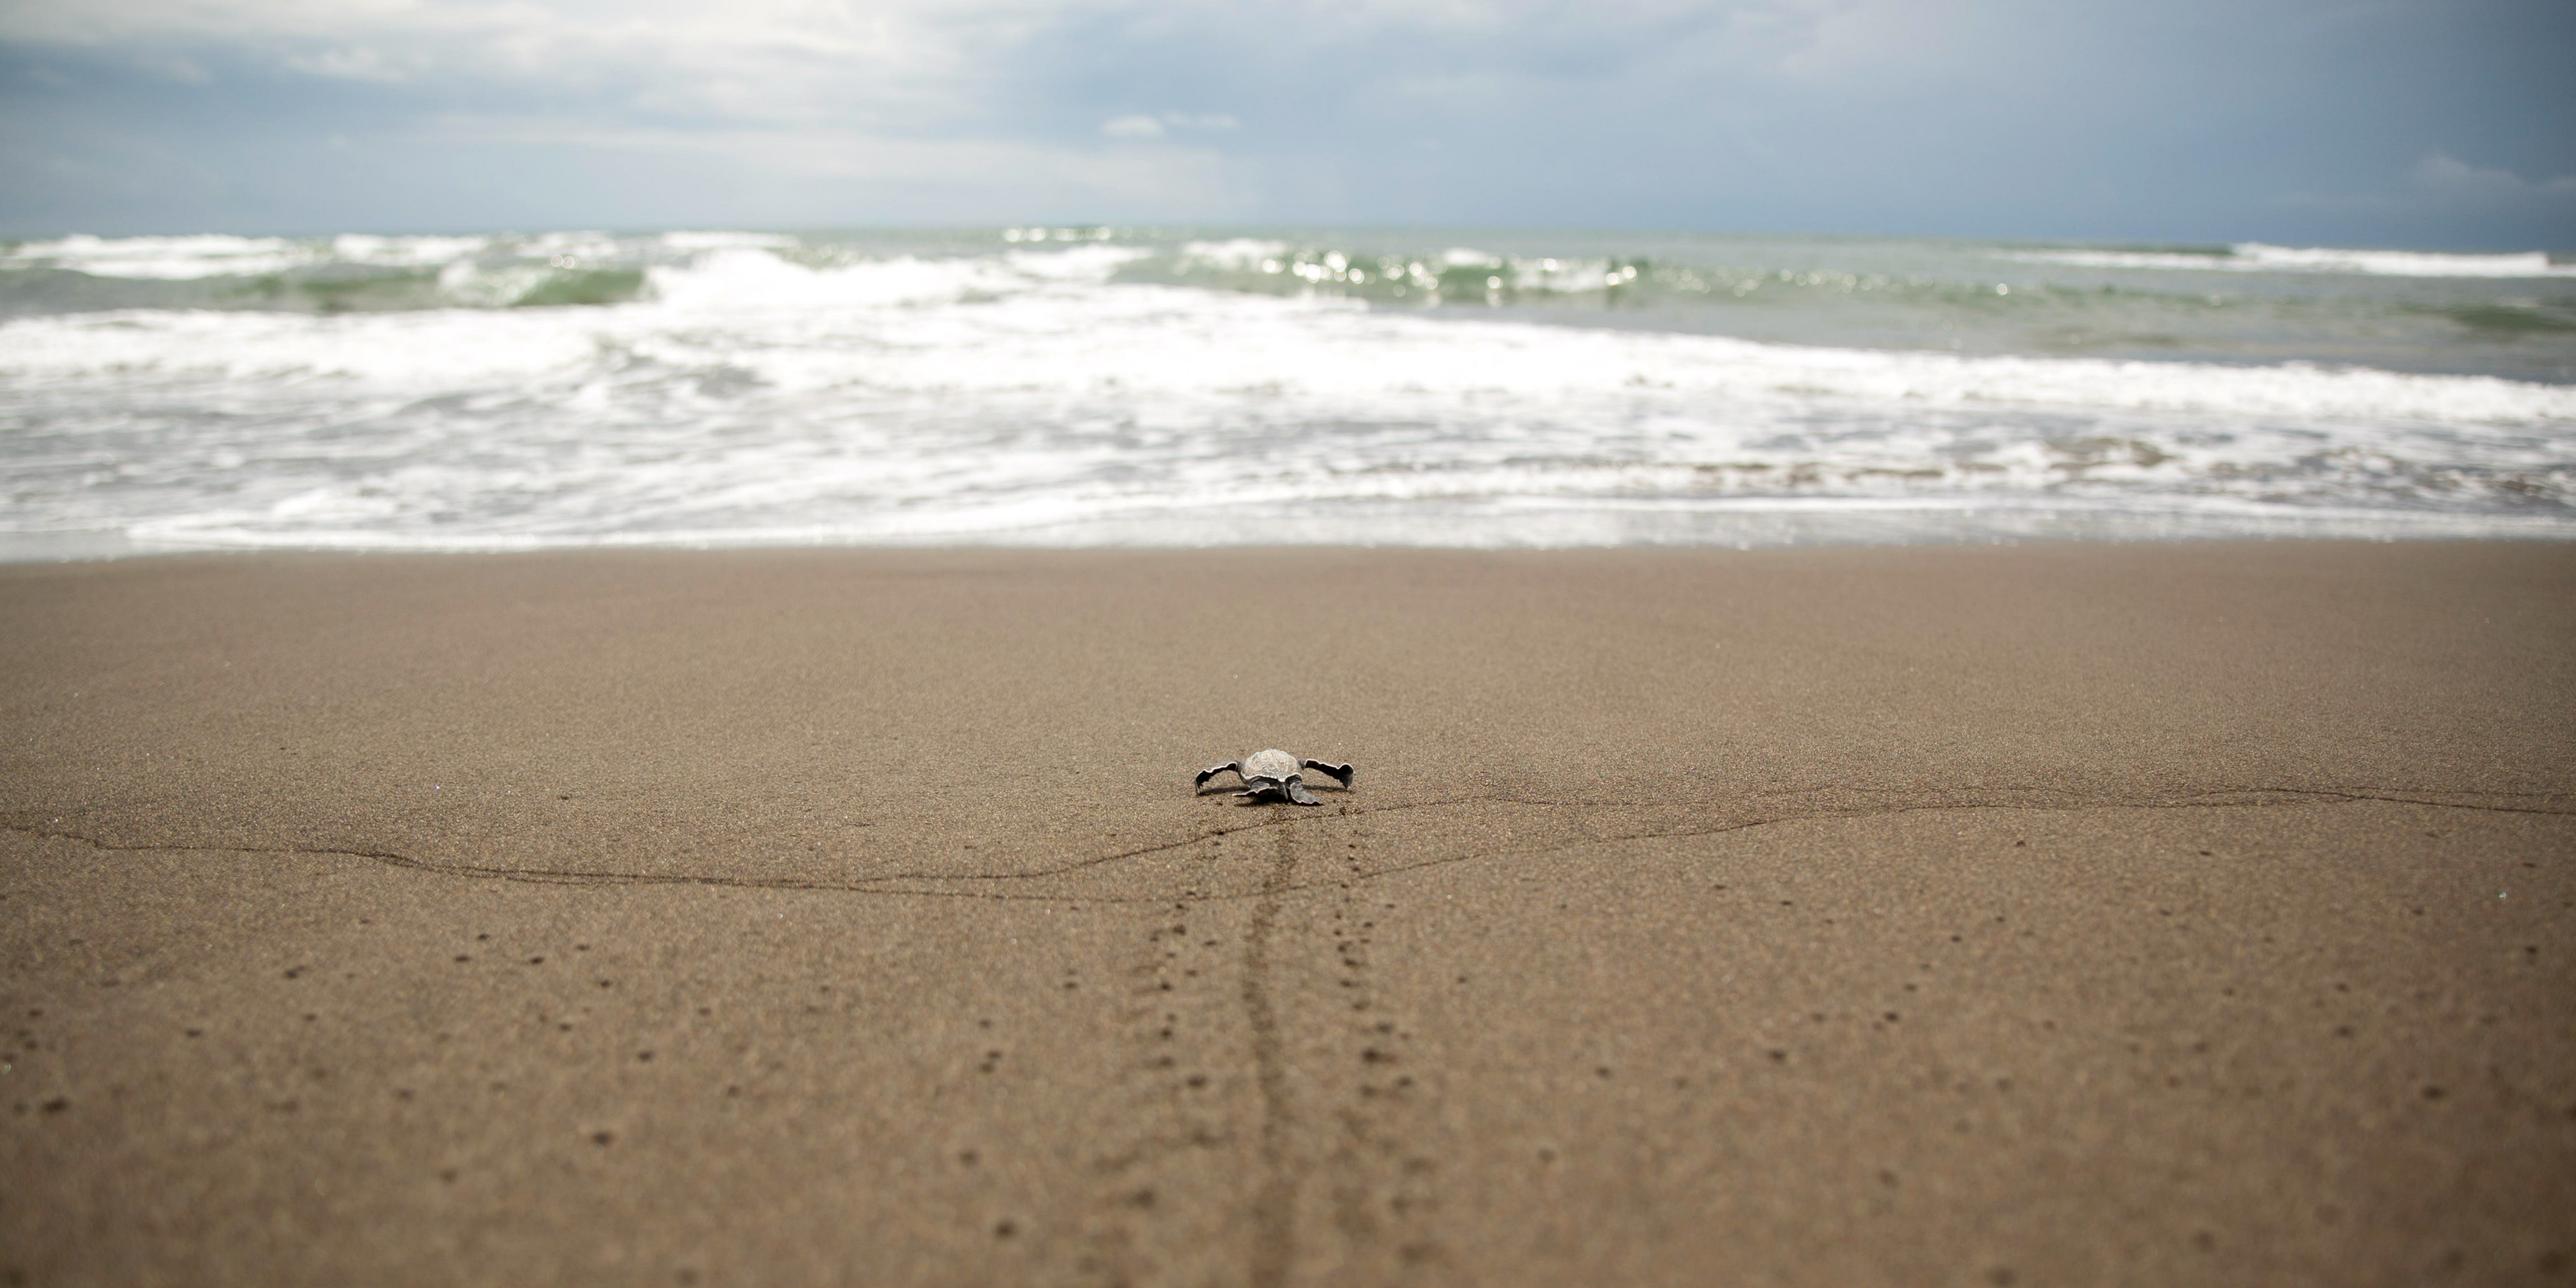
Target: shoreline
pixel 2164 913
pixel 1774 524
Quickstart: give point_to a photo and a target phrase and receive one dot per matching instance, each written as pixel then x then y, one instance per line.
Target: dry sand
pixel 2086 915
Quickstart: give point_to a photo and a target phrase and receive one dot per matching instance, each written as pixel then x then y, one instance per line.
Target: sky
pixel 2406 123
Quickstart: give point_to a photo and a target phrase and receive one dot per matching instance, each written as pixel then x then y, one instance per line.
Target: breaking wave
pixel 2255 257
pixel 728 388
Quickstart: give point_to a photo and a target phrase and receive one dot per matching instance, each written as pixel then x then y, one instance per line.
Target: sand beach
pixel 2053 914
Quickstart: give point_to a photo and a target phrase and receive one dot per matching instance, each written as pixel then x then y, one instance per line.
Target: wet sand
pixel 2147 915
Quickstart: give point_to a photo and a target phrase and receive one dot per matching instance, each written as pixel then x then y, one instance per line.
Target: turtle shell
pixel 1273 763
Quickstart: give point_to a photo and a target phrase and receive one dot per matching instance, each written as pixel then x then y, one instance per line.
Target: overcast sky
pixel 2388 122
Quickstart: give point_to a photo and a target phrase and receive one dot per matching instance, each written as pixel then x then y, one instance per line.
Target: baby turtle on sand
pixel 1272 775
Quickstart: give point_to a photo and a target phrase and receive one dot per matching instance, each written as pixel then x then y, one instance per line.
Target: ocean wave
pixel 2256 257
pixel 1456 273
pixel 409 252
pixel 1056 320
pixel 215 255
pixel 721 240
pixel 1238 254
pixel 167 258
pixel 738 390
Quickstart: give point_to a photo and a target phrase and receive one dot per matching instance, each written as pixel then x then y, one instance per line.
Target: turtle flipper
pixel 1340 773
pixel 1205 774
pixel 1297 792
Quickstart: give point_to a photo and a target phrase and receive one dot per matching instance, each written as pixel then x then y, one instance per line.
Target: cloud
pixel 2449 178
pixel 358 63
pixel 2181 119
pixel 1137 125
pixel 2445 202
pixel 173 68
pixel 774 60
pixel 797 59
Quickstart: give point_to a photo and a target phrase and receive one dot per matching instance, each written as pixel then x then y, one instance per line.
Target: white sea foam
pixel 1032 394
pixel 1240 254
pixel 746 279
pixel 2255 257
pixel 363 248
pixel 161 257
pixel 216 255
pixel 718 240
pixel 277 353
pixel 2398 263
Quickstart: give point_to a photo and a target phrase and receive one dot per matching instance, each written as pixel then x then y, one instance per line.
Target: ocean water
pixel 1116 386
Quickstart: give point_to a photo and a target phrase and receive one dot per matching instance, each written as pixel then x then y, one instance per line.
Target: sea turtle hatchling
pixel 1272 775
